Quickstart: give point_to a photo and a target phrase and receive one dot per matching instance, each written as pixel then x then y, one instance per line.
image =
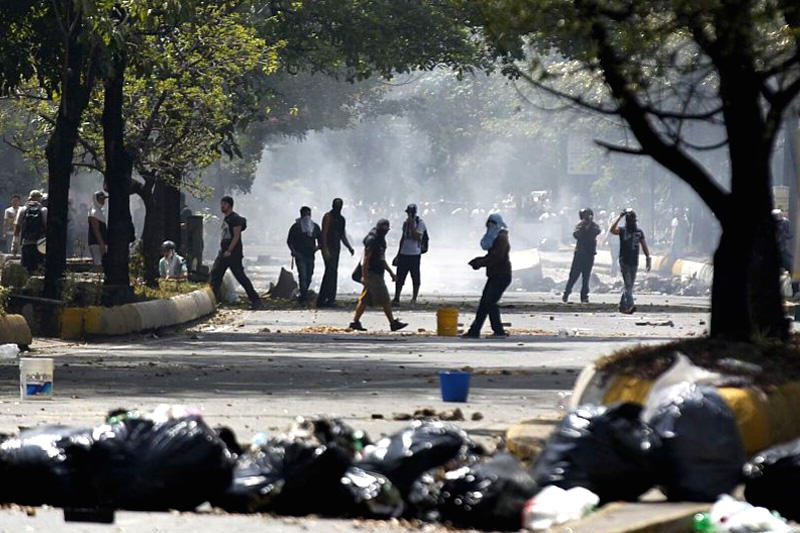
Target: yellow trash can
pixel 447 321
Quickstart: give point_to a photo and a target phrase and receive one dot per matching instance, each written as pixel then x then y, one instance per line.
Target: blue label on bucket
pixel 37 388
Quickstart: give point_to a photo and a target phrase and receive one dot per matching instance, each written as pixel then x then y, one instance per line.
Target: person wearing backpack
pixel 231 253
pixel 631 238
pixel 30 228
pixel 413 243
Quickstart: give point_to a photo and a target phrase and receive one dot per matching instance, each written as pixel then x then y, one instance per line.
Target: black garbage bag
pixel 47 465
pixel 294 477
pixel 772 477
pixel 701 449
pixel 331 432
pixel 488 495
pixel 406 455
pixel 369 495
pixel 142 465
pixel 422 500
pixel 596 448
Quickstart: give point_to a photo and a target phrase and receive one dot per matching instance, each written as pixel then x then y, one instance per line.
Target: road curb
pixel 637 518
pixel 14 330
pixel 78 322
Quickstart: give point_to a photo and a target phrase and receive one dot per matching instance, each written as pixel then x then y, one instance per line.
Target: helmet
pixel 167 245
pixel 585 212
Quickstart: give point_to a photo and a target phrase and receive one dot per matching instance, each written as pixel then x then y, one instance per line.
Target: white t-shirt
pixel 412 246
pixel 9 219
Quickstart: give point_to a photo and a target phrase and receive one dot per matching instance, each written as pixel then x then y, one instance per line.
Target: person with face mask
pixel 498 276
pixel 373 266
pixel 231 252
pixel 333 235
pixel 585 234
pixel 631 238
pixel 413 243
pixel 304 241
pixel 29 228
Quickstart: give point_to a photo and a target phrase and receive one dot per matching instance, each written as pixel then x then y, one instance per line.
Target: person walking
pixel 333 236
pixel 9 220
pixel 304 240
pixel 29 228
pixel 585 234
pixel 631 238
pixel 785 244
pixel 98 229
pixel 498 276
pixel 231 252
pixel 413 243
pixel 373 266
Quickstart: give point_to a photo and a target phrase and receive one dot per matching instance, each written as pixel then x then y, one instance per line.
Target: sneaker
pixel 471 335
pixel 356 326
pixel 396 325
pixel 500 335
pixel 564 297
pixel 585 300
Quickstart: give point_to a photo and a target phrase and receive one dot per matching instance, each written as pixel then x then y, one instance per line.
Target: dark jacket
pixel 496 261
pixel 301 243
pixel 586 235
pixel 375 243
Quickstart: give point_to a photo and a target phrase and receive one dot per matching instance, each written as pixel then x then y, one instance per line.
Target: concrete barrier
pixel 14 330
pixel 141 316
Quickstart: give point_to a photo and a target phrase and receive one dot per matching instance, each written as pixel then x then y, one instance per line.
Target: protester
pixel 630 239
pixel 585 234
pixel 498 273
pixel 98 228
pixel 333 235
pixel 304 241
pixel 785 244
pixel 231 252
pixel 9 220
pixel 171 265
pixel 613 244
pixel 373 266
pixel 413 243
pixel 29 228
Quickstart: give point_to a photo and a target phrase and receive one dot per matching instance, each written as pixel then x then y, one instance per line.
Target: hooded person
pixel 29 228
pixel 333 235
pixel 98 228
pixel 498 276
pixel 373 266
pixel 631 239
pixel 304 240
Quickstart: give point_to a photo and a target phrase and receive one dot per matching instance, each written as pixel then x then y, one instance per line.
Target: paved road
pixel 256 371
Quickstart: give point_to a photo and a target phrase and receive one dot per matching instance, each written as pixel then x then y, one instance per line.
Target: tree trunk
pixel 172 214
pixel 119 167
pixel 75 91
pixel 153 233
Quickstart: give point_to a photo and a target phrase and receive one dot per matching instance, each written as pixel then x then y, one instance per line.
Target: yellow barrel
pixel 447 321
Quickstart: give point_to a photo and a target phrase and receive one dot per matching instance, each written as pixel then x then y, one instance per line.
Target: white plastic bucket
pixel 36 378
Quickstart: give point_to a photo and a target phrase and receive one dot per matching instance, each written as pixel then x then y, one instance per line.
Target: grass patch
pixel 165 289
pixel 780 361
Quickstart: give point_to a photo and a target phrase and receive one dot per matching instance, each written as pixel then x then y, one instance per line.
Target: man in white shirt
pixel 9 219
pixel 413 243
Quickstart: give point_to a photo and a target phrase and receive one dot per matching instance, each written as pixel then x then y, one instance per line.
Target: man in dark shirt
pixel 585 234
pixel 304 241
pixel 498 276
pixel 231 252
pixel 333 235
pixel 631 240
pixel 372 268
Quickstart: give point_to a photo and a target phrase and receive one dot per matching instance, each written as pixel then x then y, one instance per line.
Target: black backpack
pixel 423 245
pixel 33 223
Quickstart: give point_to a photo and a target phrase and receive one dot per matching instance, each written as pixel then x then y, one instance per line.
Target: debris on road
pixel 668 323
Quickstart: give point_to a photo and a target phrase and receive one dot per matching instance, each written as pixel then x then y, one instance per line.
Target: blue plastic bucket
pixel 454 386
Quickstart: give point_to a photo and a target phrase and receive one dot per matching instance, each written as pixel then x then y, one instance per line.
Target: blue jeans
pixel 628 278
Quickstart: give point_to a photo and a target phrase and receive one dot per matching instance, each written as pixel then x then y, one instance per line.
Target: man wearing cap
pixel 413 243
pixel 98 228
pixel 29 228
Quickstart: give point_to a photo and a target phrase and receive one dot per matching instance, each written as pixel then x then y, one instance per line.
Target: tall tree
pixel 662 66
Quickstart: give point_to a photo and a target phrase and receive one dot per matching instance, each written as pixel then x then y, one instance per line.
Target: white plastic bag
pixel 682 374
pixel 228 289
pixel 9 351
pixel 554 505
